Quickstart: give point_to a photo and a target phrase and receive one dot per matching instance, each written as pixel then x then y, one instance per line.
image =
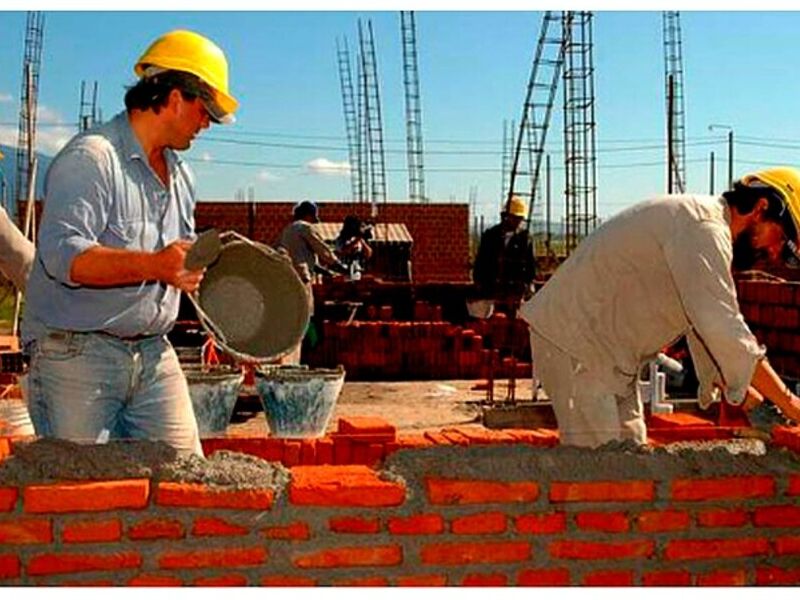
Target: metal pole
pixel 548 234
pixel 670 140
pixel 711 174
pixel 730 159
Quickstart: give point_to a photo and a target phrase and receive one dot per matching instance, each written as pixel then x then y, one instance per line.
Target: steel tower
pixel 676 118
pixel 416 177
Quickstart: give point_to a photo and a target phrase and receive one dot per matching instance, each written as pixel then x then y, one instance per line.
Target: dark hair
pixel 152 92
pixel 744 198
pixel 350 227
pixel 306 208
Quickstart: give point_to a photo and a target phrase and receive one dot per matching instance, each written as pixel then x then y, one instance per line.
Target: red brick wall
pixel 440 231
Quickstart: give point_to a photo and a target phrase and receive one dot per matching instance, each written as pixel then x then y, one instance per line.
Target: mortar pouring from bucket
pixel 298 401
pixel 214 391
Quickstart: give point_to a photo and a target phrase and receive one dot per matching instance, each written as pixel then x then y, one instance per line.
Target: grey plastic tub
pixel 298 401
pixel 214 391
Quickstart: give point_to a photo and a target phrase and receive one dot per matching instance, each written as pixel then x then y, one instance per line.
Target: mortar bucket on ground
pixel 298 401
pixel 252 301
pixel 214 391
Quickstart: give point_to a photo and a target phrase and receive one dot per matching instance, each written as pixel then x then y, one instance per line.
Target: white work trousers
pixel 587 413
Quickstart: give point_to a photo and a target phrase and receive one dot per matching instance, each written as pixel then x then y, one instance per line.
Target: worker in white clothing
pixel 16 252
pixel 660 270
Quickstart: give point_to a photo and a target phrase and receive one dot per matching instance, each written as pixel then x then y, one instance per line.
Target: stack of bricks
pixel 430 523
pixel 772 311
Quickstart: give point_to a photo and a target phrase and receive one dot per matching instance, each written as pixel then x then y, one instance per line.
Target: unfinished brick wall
pixel 348 525
pixel 440 231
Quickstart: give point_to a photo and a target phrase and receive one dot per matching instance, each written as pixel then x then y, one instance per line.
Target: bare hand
pixel 791 409
pixel 171 268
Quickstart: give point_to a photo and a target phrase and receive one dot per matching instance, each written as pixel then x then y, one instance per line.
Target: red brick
pixel 610 522
pixel 787 545
pixel 601 550
pixel 793 489
pixel 409 440
pixel 602 491
pixel 777 576
pixel 466 491
pixel 367 425
pixel 354 525
pixel 609 578
pixel 324 450
pixel 722 578
pixel 8 498
pixel 543 523
pixel 416 524
pixel 484 580
pixel 106 530
pixel 354 485
pixel 342 451
pixel 723 488
pixel 86 497
pixel 489 522
pixel 86 583
pixel 722 517
pixel 287 581
pixel 363 556
pixel 715 549
pixel 291 453
pixel 361 582
pixel 293 531
pixel 9 566
pixel 667 578
pixel 654 521
pixel 543 438
pixel 216 526
pixel 216 558
pixel 26 531
pixel 154 529
pixel 54 564
pixel 196 495
pixel 459 553
pixel 543 577
pixel 777 516
pixel 148 580
pixel 229 580
pixel 669 421
pixel 308 452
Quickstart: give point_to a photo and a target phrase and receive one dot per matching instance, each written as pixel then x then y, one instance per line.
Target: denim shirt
pixel 100 190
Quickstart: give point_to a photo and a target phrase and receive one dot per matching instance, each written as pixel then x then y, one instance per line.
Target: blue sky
pixel 740 70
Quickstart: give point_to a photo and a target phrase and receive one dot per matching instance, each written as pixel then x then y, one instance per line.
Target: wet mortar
pixel 52 460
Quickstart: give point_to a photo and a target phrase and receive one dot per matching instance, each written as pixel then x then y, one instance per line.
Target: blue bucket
pixel 298 401
pixel 214 391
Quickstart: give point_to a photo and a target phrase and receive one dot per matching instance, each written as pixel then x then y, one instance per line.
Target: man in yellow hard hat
pixel 118 221
pixel 505 264
pixel 657 271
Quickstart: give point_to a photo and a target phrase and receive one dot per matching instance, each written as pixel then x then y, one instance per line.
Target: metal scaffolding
pixel 350 119
pixel 579 128
pixel 676 118
pixel 26 138
pixel 371 124
pixel 505 165
pixel 416 176
pixel 536 112
pixel 88 114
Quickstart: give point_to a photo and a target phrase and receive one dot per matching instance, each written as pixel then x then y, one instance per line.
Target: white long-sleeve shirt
pixel 657 271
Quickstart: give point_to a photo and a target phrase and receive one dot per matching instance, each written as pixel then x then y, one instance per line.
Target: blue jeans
pixel 87 387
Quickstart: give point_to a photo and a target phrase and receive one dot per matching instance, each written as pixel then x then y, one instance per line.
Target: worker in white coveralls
pixel 117 224
pixel 16 252
pixel 653 273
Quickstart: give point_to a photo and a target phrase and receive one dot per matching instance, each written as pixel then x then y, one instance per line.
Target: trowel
pixel 205 250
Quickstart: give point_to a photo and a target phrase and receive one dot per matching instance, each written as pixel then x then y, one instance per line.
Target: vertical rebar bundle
pixel 536 112
pixel 673 81
pixel 87 113
pixel 579 128
pixel 350 119
pixel 416 177
pixel 505 166
pixel 372 124
pixel 26 146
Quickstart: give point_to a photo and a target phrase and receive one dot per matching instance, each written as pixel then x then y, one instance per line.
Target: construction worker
pixel 659 270
pixel 505 265
pixel 16 252
pixel 117 223
pixel 310 256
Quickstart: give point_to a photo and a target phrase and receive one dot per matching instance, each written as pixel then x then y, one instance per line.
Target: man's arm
pixel 324 252
pixel 769 384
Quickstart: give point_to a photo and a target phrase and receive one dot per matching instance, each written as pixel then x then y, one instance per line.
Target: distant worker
pixel 352 245
pixel 118 221
pixel 654 272
pixel 310 256
pixel 16 252
pixel 505 265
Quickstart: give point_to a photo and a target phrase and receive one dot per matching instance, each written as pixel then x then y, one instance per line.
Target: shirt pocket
pixel 124 232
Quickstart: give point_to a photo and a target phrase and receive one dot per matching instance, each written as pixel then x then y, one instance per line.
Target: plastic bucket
pixel 214 392
pixel 298 401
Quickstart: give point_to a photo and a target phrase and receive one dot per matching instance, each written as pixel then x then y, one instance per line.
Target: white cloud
pixel 323 166
pixel 206 157
pixel 52 133
pixel 6 97
pixel 265 175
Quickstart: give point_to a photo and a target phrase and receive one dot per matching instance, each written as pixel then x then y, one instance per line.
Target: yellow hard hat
pixel 786 182
pixel 517 208
pixel 190 52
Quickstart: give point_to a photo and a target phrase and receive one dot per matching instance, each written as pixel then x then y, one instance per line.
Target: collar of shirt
pixel 132 147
